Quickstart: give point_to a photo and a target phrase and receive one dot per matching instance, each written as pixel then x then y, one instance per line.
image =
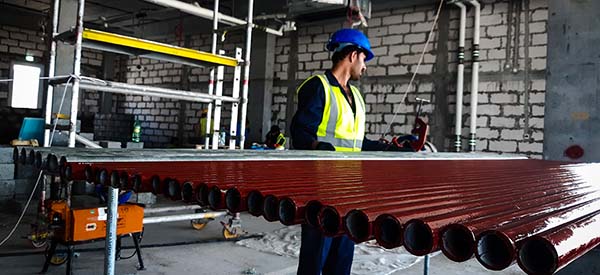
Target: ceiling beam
pixel 12 15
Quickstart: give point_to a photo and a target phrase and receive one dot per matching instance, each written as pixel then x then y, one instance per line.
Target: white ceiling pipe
pixel 208 14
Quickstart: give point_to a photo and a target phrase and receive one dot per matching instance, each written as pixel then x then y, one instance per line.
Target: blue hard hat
pixel 346 37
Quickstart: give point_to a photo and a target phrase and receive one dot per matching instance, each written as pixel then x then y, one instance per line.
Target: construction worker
pixel 331 116
pixel 275 139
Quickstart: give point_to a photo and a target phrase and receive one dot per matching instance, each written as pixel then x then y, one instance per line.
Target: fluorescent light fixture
pixel 25 88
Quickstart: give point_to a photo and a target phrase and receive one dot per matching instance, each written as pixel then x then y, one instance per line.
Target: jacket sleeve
pixel 311 103
pixel 373 145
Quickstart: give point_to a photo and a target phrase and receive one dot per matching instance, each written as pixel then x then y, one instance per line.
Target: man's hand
pixel 400 144
pixel 325 146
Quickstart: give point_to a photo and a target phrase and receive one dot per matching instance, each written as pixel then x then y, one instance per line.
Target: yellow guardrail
pixel 152 46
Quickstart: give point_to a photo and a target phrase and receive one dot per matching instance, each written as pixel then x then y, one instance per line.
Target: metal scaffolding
pixel 94 39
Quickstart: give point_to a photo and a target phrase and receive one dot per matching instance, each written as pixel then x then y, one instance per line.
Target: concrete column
pixel 65 54
pixel 108 73
pixel 260 93
pixel 439 124
pixel 291 103
pixel 571 120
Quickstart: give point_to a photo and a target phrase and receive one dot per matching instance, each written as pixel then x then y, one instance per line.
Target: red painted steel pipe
pixel 413 204
pixel 389 218
pixel 40 161
pixel 216 198
pixel 271 208
pixel 16 155
pixel 549 252
pixel 187 192
pixel 459 239
pixel 431 230
pixel 173 189
pixel 30 158
pixel 292 208
pixel 351 203
pixel 496 247
pixel 423 235
pixel 248 164
pixel 236 197
pixel 23 156
pixel 428 227
pixel 201 194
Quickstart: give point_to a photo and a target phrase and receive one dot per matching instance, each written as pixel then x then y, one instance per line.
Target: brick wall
pixel 91 65
pixel 160 117
pixel 16 43
pixel 398 36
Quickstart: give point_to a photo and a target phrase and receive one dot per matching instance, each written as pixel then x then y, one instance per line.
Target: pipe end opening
pixel 418 238
pixel 270 208
pixel 155 182
pixel 330 220
pixel 287 211
pixel 233 199
pixel 137 183
pixel 202 194
pixel 115 179
pixel 357 225
pixel 494 250
pixel 214 197
pixel 174 191
pixel 388 231
pixel 311 212
pixel 187 192
pixel 538 256
pixel 255 203
pixel 103 177
pixel 458 243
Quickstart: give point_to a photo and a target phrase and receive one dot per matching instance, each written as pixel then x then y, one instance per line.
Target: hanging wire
pixel 397 109
pixel 37 182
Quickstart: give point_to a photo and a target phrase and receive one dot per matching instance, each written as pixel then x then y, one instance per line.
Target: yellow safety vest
pixel 340 126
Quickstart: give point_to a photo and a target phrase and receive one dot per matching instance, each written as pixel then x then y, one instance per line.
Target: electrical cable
pixel 41 172
pixel 397 109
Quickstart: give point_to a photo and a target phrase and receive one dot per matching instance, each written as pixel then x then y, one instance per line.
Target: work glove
pixel 400 144
pixel 325 146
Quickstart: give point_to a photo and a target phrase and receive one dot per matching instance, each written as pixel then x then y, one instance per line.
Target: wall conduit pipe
pixel 474 76
pixel 460 77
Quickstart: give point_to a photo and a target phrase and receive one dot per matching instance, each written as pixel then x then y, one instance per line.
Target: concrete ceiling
pixel 143 19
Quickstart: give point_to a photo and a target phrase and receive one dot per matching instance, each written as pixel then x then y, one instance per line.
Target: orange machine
pixel 73 226
pixel 86 224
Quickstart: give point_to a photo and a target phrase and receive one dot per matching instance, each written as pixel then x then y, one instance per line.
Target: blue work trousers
pixel 329 255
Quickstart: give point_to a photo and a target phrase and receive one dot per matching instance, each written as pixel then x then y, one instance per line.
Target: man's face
pixel 358 65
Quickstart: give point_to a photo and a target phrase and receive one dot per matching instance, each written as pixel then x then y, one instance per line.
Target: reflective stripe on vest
pixel 340 126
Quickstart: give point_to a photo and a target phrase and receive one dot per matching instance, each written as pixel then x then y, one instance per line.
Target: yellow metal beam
pixel 152 46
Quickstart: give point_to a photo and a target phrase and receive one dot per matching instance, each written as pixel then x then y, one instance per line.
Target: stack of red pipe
pixel 542 214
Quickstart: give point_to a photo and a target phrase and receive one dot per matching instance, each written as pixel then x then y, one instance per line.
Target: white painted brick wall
pixel 503 146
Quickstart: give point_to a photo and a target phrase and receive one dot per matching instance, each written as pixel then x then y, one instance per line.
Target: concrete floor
pixel 207 253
